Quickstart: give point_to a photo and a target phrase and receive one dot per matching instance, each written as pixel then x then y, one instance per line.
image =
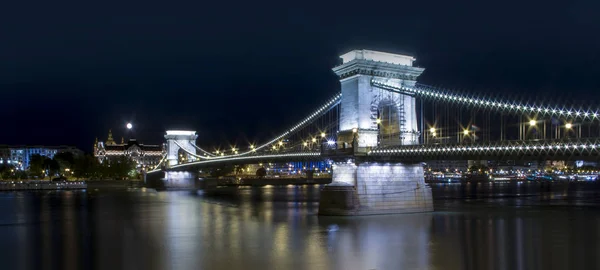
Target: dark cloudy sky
pixel 70 70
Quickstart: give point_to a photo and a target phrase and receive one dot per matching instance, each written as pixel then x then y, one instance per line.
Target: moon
pixel 129 125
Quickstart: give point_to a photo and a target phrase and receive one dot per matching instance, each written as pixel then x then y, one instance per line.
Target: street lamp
pixel 322 134
pixel 466 132
pixel 568 125
pixel 432 130
pixel 532 123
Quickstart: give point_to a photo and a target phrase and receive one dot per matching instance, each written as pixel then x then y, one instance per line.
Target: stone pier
pixel 172 180
pixel 376 188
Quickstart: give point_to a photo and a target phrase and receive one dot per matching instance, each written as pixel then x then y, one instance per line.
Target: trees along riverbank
pixel 70 167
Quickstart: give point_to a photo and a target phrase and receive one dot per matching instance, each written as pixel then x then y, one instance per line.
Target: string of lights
pixel 592 146
pixel 256 157
pixel 506 106
pixel 330 104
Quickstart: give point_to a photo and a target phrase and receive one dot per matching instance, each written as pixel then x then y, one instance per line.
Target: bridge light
pixel 314 140
pixel 532 122
pixel 280 142
pixel 568 125
pixel 466 132
pixel 432 130
pixel 378 121
pixel 274 147
pixel 322 134
pixel 330 142
pixel 305 144
pixel 251 146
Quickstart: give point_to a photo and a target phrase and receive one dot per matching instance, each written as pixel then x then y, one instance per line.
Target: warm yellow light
pixel 354 130
pixel 568 125
pixel 222 154
pixel 252 146
pixel 314 140
pixel 305 144
pixel 532 122
pixel 378 121
pixel 280 142
pixel 274 147
pixel 322 134
pixel 466 132
pixel 432 130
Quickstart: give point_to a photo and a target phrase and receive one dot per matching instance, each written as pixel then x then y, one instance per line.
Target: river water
pixel 524 227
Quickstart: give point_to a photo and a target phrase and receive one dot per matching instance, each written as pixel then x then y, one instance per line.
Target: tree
pixel 86 167
pixel 478 169
pixel 221 171
pixel 261 172
pixel 51 166
pixel 65 160
pixel 7 171
pixel 37 165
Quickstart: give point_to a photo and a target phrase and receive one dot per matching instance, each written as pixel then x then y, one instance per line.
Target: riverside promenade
pixel 41 185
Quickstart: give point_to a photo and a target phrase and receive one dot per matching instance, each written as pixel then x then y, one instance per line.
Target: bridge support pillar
pixel 172 180
pixel 376 188
pixel 180 180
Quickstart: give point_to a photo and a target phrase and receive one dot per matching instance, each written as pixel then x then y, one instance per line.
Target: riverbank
pixel 41 185
pixel 114 184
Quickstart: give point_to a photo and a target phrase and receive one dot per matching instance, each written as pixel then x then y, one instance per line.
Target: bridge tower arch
pixel 180 140
pixel 390 122
pixel 361 102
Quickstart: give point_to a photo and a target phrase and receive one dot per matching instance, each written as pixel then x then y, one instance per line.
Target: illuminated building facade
pixel 20 156
pixel 145 156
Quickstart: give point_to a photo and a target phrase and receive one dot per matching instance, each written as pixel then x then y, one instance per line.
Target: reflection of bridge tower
pixel 374 112
pixel 369 117
pixel 180 139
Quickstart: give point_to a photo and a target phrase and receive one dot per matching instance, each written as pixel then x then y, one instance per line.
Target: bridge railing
pixel 589 147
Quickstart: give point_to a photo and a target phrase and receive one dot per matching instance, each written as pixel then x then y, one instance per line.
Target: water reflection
pixel 277 228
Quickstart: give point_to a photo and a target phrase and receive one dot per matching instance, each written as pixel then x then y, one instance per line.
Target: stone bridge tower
pixel 178 139
pixel 378 116
pixel 372 117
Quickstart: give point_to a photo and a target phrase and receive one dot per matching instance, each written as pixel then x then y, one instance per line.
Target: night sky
pixel 70 70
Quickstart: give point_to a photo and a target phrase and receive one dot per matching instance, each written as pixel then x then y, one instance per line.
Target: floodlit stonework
pixel 361 101
pixel 178 139
pixel 376 188
pixel 360 187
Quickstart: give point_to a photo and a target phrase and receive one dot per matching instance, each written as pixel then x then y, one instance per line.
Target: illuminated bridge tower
pixel 374 117
pixel 178 139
